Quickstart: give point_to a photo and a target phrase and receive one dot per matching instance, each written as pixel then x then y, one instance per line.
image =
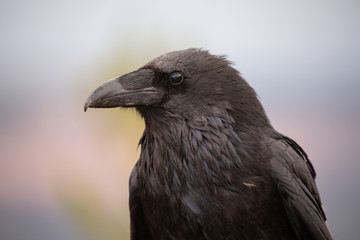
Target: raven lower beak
pixel 129 90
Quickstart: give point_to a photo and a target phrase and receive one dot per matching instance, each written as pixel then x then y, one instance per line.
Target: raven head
pixel 182 83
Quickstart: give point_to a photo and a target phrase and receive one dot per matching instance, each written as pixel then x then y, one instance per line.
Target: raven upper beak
pixel 132 89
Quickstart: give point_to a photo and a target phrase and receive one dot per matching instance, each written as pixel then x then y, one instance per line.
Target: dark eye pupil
pixel 176 78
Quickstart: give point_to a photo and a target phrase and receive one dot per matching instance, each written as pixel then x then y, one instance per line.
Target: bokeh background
pixel 64 173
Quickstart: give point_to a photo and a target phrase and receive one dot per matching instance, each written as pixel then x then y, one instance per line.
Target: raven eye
pixel 176 78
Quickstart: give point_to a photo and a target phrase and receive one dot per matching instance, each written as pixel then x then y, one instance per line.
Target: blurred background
pixel 64 173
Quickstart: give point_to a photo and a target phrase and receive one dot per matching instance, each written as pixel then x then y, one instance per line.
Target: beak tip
pixel 87 104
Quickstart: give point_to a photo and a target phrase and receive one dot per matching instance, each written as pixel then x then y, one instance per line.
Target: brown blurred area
pixel 64 173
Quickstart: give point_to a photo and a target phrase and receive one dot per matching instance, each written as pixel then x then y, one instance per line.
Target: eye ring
pixel 176 78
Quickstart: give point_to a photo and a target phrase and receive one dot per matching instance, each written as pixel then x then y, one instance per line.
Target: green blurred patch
pixel 123 122
pixel 93 222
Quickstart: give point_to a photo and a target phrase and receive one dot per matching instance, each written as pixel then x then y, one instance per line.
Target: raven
pixel 211 164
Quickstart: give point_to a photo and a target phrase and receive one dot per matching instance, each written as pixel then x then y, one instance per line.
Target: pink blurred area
pixel 57 144
pixel 58 157
pixel 64 173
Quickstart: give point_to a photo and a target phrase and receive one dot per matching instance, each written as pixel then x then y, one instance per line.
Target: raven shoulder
pixel 294 177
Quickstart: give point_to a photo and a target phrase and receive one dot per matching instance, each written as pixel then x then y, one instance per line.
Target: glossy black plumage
pixel 211 164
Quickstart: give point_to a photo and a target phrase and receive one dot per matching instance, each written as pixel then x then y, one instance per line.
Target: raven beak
pixel 129 90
